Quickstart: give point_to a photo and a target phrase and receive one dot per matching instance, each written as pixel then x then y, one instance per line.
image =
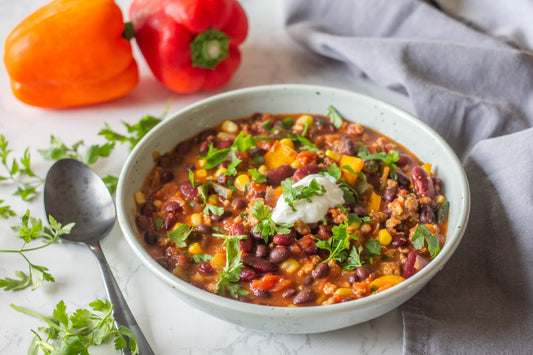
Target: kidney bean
pixel 225 143
pixel 277 175
pixel 147 209
pixel 247 275
pixel 308 280
pixel 414 263
pixel 166 176
pixel 257 235
pixel 209 132
pixel 183 147
pixel 304 296
pixel 389 195
pixel 285 239
pixel 257 151
pixel 359 210
pixel 288 293
pixel 346 146
pixel 217 218
pixel 239 229
pixel 150 238
pixel 320 271
pixel 246 245
pixel 422 183
pixel 170 221
pixel 437 182
pixel 426 214
pixel 204 147
pixel 237 204
pixel 165 263
pixel 261 251
pixel 143 222
pixel 261 293
pixel 403 159
pixel 206 268
pixel 259 264
pixel 164 161
pixel 323 233
pixel 203 229
pixel 403 180
pixel 305 170
pixel 308 244
pixel 173 207
pixel 362 272
pixel 399 241
pixel 353 278
pixel 189 192
pixel 279 254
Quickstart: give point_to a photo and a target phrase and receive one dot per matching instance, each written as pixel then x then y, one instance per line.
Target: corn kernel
pixel 332 155
pixel 384 237
pixel 220 171
pixel 229 127
pixel 440 199
pixel 304 119
pixel 158 203
pixel 288 142
pixel 289 266
pixel 343 292
pixel 201 163
pixel 262 169
pixel 196 219
pixel 242 181
pixel 200 173
pixel 356 225
pixel 156 155
pixel 140 198
pixel 195 249
pixel 176 226
pixel 212 199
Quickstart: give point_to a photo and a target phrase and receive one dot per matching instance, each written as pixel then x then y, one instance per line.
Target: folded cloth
pixel 476 89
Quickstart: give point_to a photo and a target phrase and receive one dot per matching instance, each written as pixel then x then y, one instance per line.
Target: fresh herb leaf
pixel 229 277
pixel 111 183
pixel 267 125
pixel 373 246
pixel 389 158
pixel 354 218
pixel 266 226
pixel 307 144
pixel 422 236
pixel 257 176
pixel 198 258
pixel 338 243
pixel 292 194
pixel 28 230
pixel 215 157
pixel 335 117
pixel 232 166
pixel 442 213
pixel 244 143
pixel 96 151
pixel 191 178
pixel 354 259
pixel 180 234
pixel 334 171
pixel 6 211
pixel 209 208
pixel 286 123
pixel 74 334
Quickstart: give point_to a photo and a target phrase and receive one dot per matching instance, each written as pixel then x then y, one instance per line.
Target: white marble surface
pixel 171 327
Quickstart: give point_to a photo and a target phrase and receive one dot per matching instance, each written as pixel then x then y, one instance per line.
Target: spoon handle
pixel 121 311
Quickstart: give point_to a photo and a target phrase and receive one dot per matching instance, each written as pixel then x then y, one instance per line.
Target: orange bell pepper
pixel 70 53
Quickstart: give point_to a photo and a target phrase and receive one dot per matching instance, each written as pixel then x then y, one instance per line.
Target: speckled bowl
pixel 389 120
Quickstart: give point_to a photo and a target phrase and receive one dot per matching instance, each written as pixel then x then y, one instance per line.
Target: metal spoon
pixel 74 193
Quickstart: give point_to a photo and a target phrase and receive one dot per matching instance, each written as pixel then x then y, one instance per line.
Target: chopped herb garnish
pixel 180 234
pixel 422 236
pixel 373 246
pixel 228 278
pixel 232 166
pixel 354 259
pixel 191 178
pixel 198 258
pixel 389 158
pixel 215 157
pixel 286 123
pixel 257 176
pixel 266 226
pixel 338 243
pixel 354 218
pixel 292 194
pixel 442 213
pixel 335 117
pixel 209 208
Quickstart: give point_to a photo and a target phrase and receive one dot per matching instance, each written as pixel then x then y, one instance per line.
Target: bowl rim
pixel 385 296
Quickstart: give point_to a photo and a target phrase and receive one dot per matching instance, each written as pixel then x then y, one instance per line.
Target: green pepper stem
pixel 209 48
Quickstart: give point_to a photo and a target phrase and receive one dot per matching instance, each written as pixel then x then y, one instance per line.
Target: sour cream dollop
pixel 309 212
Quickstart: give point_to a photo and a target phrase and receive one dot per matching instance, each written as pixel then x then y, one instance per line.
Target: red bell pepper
pixel 190 44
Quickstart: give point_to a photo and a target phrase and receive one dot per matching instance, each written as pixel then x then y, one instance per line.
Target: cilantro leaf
pixel 6 211
pixel 442 213
pixel 74 334
pixel 180 234
pixel 244 143
pixel 257 176
pixel 354 259
pixel 292 194
pixel 229 277
pixel 232 166
pixel 198 258
pixel 423 235
pixel 215 157
pixel 266 226
pixel 373 246
pixel 209 208
pixel 111 182
pixel 335 117
pixel 389 158
pixel 338 243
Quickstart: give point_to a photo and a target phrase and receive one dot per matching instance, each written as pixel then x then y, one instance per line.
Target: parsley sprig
pixel 74 334
pixel 266 226
pixel 242 143
pixel 19 171
pixel 291 194
pixel 338 244
pixel 31 229
pixel 335 117
pixel 229 277
pixel 422 236
pixel 389 158
pixel 180 235
pixel 209 208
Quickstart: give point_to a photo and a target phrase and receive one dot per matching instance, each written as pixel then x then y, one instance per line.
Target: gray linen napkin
pixel 476 90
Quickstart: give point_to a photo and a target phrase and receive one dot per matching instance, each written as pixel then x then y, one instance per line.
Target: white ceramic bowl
pixel 395 123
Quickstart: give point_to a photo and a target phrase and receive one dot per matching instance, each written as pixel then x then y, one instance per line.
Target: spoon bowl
pixel 73 192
